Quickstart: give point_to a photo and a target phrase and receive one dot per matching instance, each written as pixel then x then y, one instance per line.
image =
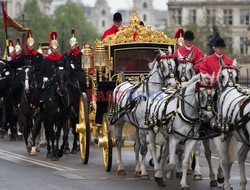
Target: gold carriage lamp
pixel 100 58
pixel 86 61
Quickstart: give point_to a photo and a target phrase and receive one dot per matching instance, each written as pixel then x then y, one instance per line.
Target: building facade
pixel 232 13
pixel 15 7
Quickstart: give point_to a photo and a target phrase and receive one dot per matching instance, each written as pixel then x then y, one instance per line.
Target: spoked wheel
pixel 106 143
pixel 83 128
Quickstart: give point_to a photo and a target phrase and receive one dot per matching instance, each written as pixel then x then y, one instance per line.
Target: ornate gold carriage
pixel 119 57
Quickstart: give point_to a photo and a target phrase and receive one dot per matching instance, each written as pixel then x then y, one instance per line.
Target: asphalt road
pixel 20 171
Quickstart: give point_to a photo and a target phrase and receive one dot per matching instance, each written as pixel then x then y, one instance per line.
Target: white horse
pixel 129 105
pixel 185 73
pixel 178 118
pixel 233 116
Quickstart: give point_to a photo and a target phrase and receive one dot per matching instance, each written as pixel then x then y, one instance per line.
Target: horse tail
pixel 232 152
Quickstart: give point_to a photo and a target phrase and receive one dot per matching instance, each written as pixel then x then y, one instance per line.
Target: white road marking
pixel 7 154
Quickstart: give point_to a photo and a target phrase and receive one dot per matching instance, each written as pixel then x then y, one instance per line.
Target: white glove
pixel 45 79
pixel 72 66
pixel 9 58
pixel 6 73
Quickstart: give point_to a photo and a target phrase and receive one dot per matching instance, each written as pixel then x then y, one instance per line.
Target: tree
pixel 69 16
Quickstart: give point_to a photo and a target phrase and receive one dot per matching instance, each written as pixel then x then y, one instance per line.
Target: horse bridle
pixel 184 62
pixel 230 82
pixel 33 83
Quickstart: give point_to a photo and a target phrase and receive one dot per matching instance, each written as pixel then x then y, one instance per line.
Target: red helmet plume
pixel 53 35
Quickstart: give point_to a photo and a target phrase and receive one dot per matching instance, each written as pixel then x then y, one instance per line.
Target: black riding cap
pixel 117 17
pixel 188 35
pixel 219 42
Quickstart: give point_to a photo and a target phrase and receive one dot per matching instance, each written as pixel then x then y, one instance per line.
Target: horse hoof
pixel 33 151
pixel 185 188
pixel 28 149
pixel 151 162
pixel 197 177
pixel 190 172
pixel 178 175
pixel 42 145
pixel 67 151
pixel 73 151
pixel 160 182
pixel 170 175
pixel 138 174
pixel 49 155
pixel 54 158
pixel 230 187
pixel 60 153
pixel 213 183
pixel 145 177
pixel 122 172
pixel 220 180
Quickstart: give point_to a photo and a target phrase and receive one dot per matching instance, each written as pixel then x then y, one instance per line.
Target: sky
pixel 126 4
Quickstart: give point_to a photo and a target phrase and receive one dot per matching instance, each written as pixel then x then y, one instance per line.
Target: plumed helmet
pixel 219 42
pixel 11 46
pixel 189 35
pixel 18 47
pixel 53 42
pixel 179 36
pixel 73 40
pixel 30 40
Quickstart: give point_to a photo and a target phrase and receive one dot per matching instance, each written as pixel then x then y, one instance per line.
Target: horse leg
pixel 65 138
pixel 144 150
pixel 137 150
pixel 73 127
pixel 55 156
pixel 223 148
pixel 197 169
pixel 13 130
pixel 118 128
pixel 158 171
pixel 26 133
pixel 172 149
pixel 188 148
pixel 208 154
pixel 47 135
pixel 242 155
pixel 35 132
pixel 179 152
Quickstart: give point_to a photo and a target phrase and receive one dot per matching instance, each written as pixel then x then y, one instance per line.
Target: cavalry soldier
pixel 212 63
pixel 45 49
pixel 189 50
pixel 74 58
pixel 31 56
pixel 117 19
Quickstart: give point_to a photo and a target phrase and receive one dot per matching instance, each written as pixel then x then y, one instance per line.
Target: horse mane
pixel 191 81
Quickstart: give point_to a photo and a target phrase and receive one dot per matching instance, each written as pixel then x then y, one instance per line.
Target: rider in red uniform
pixel 117 18
pixel 187 49
pixel 212 64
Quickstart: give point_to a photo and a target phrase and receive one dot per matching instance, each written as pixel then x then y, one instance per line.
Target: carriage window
pixel 134 60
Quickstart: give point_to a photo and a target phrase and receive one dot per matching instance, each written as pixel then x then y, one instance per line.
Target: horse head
pixel 206 93
pixel 61 80
pixel 164 65
pixel 229 75
pixel 28 78
pixel 185 67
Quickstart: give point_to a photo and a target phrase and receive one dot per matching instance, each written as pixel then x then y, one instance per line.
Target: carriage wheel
pixel 106 143
pixel 83 128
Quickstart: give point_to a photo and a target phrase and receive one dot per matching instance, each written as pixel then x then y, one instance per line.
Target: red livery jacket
pixel 112 30
pixel 196 58
pixel 212 64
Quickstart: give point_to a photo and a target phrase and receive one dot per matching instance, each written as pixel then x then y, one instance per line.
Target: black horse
pixel 57 112
pixel 26 106
pixel 5 80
